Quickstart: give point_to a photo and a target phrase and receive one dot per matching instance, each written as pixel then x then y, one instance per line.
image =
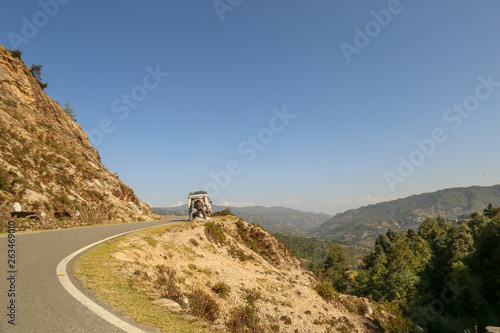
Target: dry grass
pixel 214 274
pixel 99 269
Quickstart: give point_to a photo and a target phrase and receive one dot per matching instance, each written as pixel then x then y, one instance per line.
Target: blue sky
pixel 319 105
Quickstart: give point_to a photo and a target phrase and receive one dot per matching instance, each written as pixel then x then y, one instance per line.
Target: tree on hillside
pixel 36 70
pixel 486 261
pixel 491 211
pixel 392 271
pixel 69 111
pixel 16 53
pixel 447 278
pixel 336 266
pixel 477 223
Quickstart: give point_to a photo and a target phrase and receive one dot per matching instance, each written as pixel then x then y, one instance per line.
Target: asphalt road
pixel 41 303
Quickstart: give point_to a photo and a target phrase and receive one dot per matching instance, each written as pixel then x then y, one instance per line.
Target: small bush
pixel 252 295
pixel 95 195
pixel 326 291
pixel 16 53
pixel 236 252
pixel 202 305
pixel 194 242
pixel 165 283
pixel 224 212
pixel 222 289
pixel 361 307
pixel 244 319
pixel 215 232
pixel 63 198
pixel 393 320
pixel 240 225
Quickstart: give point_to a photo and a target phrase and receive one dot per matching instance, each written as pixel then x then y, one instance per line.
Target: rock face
pixel 47 163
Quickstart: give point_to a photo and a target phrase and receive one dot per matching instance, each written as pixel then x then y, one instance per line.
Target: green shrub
pixel 224 212
pixel 95 195
pixel 63 199
pixel 255 239
pixel 236 252
pixel 222 289
pixel 16 53
pixel 215 232
pixel 326 291
pixel 36 70
pixel 69 111
pixel 151 241
pixel 240 225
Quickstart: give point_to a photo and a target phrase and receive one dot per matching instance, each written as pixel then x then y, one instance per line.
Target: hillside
pixel 363 225
pixel 274 219
pixel 281 219
pixel 47 164
pixel 228 274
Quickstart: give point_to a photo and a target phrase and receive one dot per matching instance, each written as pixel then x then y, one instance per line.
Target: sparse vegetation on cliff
pixel 47 163
pixel 16 54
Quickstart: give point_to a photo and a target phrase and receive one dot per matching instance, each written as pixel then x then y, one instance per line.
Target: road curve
pixel 42 304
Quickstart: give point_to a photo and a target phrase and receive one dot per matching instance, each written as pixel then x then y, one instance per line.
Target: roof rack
pixel 198 192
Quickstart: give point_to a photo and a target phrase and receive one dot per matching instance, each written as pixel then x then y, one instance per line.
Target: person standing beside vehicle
pixel 200 207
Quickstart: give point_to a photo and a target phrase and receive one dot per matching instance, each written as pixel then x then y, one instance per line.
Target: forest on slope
pixel 441 277
pixel 363 225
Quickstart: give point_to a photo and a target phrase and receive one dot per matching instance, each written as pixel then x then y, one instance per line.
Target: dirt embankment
pixel 236 277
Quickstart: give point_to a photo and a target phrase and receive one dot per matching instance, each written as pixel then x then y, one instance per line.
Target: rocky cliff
pixel 50 174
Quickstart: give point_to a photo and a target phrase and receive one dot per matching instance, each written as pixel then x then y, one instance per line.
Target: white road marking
pixel 91 305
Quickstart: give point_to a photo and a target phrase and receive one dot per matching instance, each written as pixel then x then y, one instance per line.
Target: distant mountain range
pixel 273 219
pixel 362 226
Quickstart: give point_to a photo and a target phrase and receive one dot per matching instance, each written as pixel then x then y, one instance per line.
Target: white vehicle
pixel 195 201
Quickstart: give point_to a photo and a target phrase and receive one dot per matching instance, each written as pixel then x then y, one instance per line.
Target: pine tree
pixel 36 70
pixel 69 111
pixel 336 267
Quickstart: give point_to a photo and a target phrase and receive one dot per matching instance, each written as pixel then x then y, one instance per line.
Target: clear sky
pixel 315 105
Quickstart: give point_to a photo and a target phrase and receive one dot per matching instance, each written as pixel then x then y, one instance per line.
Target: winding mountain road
pixel 42 303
